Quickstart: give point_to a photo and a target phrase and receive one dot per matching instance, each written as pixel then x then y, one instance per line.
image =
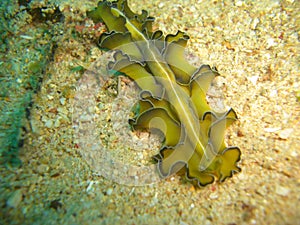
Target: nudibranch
pixel 172 94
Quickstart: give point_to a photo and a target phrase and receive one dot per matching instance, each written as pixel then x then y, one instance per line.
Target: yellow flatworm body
pixel 172 96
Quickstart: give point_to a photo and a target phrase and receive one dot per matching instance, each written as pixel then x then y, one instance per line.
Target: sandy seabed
pixel 255 46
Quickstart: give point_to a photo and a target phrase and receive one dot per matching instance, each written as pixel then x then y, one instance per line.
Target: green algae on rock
pixel 172 95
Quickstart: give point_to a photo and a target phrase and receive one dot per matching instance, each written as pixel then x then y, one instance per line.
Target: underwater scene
pixel 150 112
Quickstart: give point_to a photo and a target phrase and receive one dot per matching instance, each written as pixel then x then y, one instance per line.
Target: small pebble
pixel 161 4
pixel 239 3
pixel 283 191
pixel 62 101
pixel 49 123
pixel 253 79
pixel 213 196
pixel 50 97
pixel 14 200
pixel 294 154
pixel 285 134
pixel 273 93
pixel 254 23
pixel 193 9
pixel 42 169
pixel 271 43
pixel 271 129
pixel 57 123
pixel 109 191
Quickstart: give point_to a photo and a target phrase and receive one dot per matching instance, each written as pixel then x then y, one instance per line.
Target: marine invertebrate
pixel 172 96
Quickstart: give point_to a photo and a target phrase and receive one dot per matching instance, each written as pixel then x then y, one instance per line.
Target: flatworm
pixel 172 95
